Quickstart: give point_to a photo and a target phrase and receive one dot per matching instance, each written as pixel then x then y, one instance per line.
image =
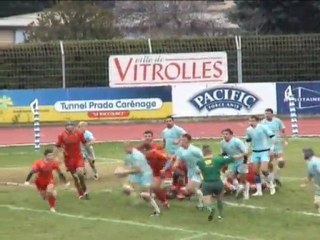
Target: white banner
pixel 201 100
pixel 167 69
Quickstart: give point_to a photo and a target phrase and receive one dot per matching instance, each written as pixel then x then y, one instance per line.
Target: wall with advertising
pixel 167 69
pixel 307 97
pixel 80 104
pixel 202 100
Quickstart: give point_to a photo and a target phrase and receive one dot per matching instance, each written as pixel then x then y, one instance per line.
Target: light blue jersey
pixel 137 159
pixel 314 173
pixel 170 135
pixel 235 147
pixel 89 138
pixel 192 155
pixel 276 126
pixel 260 140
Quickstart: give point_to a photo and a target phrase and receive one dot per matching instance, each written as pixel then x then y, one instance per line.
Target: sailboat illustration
pixel 305 98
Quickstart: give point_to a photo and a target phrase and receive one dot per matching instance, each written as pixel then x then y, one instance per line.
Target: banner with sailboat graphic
pixel 306 95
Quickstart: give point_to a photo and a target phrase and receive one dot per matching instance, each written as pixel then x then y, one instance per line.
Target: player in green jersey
pixel 212 185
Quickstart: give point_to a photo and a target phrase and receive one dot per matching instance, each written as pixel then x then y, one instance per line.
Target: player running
pixel 70 142
pixel 45 180
pixel 212 185
pixel 158 161
pixel 171 136
pixel 278 128
pixel 313 169
pixel 231 146
pixel 261 139
pixel 148 139
pixel 190 154
pixel 139 176
pixel 82 126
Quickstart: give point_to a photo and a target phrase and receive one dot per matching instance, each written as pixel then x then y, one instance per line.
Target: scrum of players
pixel 178 169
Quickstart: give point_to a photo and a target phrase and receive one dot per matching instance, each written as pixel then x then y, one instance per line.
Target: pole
pixel 36 123
pixel 150 46
pixel 63 63
pixel 239 58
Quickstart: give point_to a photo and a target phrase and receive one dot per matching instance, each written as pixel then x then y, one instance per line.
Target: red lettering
pixel 194 71
pixel 144 70
pixel 156 71
pixel 205 69
pixel 217 66
pixel 177 68
pixel 135 72
pixel 119 68
pixel 184 72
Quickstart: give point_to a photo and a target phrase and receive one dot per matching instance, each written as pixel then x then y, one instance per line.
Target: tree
pixel 78 20
pixel 276 16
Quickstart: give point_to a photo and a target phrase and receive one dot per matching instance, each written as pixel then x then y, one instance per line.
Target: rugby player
pixel 70 142
pixel 278 128
pixel 231 146
pixel 261 139
pixel 148 139
pixel 313 170
pixel 139 176
pixel 44 180
pixel 191 155
pixel 82 126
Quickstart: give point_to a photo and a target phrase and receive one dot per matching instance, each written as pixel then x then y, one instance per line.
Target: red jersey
pixel 44 169
pixel 157 160
pixel 153 146
pixel 71 144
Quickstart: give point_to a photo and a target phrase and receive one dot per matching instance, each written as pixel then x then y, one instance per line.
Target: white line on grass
pixel 194 236
pixel 125 222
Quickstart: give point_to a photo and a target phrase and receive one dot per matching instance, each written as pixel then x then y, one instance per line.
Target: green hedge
pixel 265 59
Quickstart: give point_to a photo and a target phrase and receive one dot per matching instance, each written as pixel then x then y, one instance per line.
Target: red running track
pixel 133 131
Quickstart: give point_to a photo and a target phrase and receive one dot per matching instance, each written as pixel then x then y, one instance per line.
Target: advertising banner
pixel 84 104
pixel 306 94
pixel 201 100
pixel 167 69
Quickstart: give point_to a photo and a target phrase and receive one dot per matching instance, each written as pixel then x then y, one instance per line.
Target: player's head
pixel 70 126
pixel 206 150
pixel 254 120
pixel 185 140
pixel 128 147
pixel 308 153
pixel 48 154
pixel 227 134
pixel 146 147
pixel 268 113
pixel 82 126
pixel 148 136
pixel 169 121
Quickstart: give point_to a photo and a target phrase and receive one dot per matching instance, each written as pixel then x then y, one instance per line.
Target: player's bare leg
pixel 258 181
pixel 51 195
pixel 317 203
pixel 208 205
pixel 77 184
pixel 220 205
pixel 146 196
pixel 94 169
pixel 244 186
pixel 156 188
pixel 268 176
pixel 277 169
pixel 82 182
pixel 194 188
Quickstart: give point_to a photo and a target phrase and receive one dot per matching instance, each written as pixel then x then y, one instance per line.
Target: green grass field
pixel 110 215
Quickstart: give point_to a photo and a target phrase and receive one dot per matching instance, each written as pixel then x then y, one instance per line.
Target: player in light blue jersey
pixel 313 169
pixel 139 176
pixel 261 140
pixel 232 146
pixel 82 126
pixel 191 155
pixel 278 128
pixel 171 136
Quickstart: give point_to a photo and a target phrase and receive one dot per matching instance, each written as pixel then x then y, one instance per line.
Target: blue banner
pixel 306 94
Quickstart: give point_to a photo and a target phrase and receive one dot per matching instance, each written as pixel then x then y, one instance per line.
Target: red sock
pixel 52 201
pixel 161 195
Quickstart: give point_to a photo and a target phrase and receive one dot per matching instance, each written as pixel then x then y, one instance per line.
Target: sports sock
pixel 200 196
pixel 220 207
pixel 276 173
pixel 154 205
pixel 52 201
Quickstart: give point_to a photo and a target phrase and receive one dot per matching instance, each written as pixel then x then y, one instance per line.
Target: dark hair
pixel 148 132
pixel 255 117
pixel 170 117
pixel 47 151
pixel 269 110
pixel 227 130
pixel 146 147
pixel 187 136
pixel 206 148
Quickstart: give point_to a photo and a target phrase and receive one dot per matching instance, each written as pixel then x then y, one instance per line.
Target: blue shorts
pixel 238 167
pixel 143 180
pixel 194 177
pixel 260 157
pixel 278 148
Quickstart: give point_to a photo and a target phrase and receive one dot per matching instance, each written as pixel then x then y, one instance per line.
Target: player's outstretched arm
pixel 29 176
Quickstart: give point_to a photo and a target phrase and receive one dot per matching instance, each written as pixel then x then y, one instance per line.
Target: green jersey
pixel 210 168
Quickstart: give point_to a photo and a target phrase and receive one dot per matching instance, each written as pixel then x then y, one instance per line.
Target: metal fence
pixel 85 63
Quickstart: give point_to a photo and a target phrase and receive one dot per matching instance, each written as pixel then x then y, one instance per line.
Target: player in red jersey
pixel 44 180
pixel 148 139
pixel 157 159
pixel 70 142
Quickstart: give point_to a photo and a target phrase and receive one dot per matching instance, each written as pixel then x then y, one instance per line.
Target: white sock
pixel 200 196
pixel 235 182
pixel 259 187
pixel 271 178
pixel 154 205
pixel 247 188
